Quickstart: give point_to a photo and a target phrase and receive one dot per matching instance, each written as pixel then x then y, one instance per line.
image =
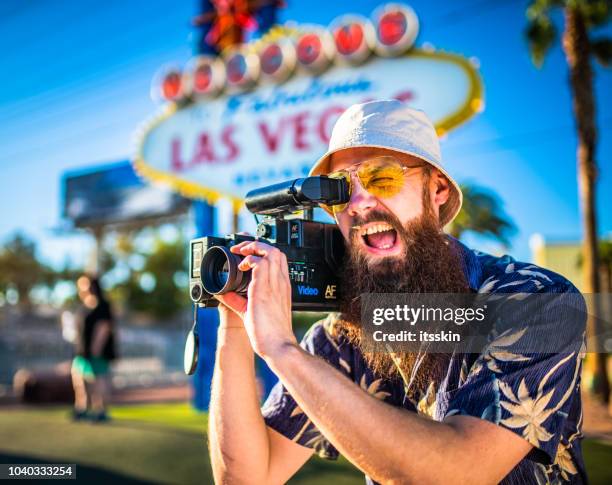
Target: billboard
pixel 114 195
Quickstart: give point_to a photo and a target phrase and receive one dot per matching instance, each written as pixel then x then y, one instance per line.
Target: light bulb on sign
pixel 167 85
pixel 242 68
pixel 314 49
pixel 397 27
pixel 277 60
pixel 354 37
pixel 171 86
pixel 204 77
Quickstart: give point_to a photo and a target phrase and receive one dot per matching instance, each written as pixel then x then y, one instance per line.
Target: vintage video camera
pixel 314 250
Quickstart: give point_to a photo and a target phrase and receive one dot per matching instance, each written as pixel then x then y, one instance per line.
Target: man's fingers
pixel 253 247
pixel 284 266
pixel 236 247
pixel 269 266
pixel 249 262
pixel 234 302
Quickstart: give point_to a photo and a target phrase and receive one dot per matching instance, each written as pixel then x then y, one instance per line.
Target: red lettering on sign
pixel 232 148
pixel 299 131
pixel 404 96
pixel 270 139
pixel 203 151
pixel 176 162
pixel 327 121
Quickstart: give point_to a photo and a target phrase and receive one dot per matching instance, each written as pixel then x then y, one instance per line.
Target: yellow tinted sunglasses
pixel 382 177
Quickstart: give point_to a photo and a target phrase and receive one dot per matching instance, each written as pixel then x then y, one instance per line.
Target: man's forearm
pixel 389 444
pixel 238 436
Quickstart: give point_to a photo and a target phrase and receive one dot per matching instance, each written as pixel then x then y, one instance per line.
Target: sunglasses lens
pixel 334 209
pixel 382 177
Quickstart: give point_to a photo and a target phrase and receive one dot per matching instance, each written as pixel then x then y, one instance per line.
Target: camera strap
pixel 192 346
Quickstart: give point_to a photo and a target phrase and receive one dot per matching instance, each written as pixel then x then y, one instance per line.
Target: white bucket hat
pixel 392 125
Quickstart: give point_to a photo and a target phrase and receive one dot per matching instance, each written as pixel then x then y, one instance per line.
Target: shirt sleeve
pixel 528 392
pixel 282 413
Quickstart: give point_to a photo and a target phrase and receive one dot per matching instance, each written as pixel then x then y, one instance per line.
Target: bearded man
pixel 500 416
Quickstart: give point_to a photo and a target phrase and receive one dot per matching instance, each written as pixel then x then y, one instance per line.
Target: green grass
pixel 164 443
pixel 598 460
pixel 180 416
pixel 155 443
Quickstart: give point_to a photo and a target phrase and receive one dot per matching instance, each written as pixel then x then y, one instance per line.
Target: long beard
pixel 429 265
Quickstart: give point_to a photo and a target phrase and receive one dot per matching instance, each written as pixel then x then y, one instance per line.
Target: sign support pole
pixel 208 320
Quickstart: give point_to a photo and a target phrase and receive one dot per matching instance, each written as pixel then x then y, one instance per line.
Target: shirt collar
pixel 472 267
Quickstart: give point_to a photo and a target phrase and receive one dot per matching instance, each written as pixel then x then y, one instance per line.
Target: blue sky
pixel 76 77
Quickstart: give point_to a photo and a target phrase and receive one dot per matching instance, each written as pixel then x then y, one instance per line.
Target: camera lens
pixel 223 274
pixel 220 273
pixel 196 293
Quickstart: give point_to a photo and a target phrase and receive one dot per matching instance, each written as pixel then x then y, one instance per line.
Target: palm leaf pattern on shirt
pixel 427 404
pixel 318 443
pixel 373 387
pixel 297 410
pixel 527 412
pixel 564 460
pixel 530 412
pixel 541 474
pixel 345 365
pixel 492 412
pixel 497 350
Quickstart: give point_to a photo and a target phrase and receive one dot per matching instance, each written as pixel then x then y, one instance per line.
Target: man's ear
pixel 439 188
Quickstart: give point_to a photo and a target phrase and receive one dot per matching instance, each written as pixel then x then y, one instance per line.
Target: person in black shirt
pixel 95 349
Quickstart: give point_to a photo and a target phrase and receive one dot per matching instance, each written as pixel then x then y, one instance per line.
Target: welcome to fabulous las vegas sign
pixel 262 112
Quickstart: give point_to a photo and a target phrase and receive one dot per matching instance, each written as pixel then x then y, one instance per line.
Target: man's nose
pixel 361 200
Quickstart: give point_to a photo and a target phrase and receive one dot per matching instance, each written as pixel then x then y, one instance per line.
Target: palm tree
pixel 581 17
pixel 483 214
pixel 605 265
pixel 21 270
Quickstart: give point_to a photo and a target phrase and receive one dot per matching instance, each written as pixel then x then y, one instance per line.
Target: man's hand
pixel 266 311
pixel 242 448
pixel 231 310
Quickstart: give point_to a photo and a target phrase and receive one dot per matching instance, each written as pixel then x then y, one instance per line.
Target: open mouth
pixel 378 235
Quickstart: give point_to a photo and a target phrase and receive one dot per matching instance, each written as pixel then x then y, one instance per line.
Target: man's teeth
pixel 374 228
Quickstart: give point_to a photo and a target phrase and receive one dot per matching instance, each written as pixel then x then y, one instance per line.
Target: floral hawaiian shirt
pixel 536 396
